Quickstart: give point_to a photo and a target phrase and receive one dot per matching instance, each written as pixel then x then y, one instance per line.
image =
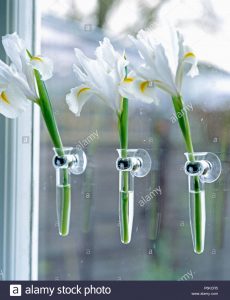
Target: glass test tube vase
pixel 201 168
pixel 130 163
pixel 66 161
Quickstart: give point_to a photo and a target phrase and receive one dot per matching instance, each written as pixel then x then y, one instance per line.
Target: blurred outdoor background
pixel 161 246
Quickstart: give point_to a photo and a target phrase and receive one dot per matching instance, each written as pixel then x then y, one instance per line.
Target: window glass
pixel 161 246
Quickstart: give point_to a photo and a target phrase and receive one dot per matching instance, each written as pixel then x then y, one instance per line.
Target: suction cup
pixel 145 163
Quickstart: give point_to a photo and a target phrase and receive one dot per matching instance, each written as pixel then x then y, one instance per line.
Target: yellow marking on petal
pixel 128 79
pixel 4 97
pixel 82 90
pixel 189 54
pixel 144 85
pixel 37 58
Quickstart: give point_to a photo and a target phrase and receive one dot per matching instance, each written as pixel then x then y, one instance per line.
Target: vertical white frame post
pixel 19 171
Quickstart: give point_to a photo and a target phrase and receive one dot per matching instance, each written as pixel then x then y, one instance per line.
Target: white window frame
pixel 19 161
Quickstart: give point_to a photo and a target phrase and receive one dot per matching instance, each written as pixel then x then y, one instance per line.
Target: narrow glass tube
pixel 131 162
pixel 197 213
pixel 197 210
pixel 126 205
pixel 63 192
pixel 63 201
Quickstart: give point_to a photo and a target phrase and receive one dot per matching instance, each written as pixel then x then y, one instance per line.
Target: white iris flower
pixel 100 77
pixel 17 81
pixel 164 63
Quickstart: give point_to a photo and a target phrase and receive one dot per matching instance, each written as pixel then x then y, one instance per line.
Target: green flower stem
pixel 124 201
pixel 47 112
pixel 186 132
pixel 65 212
pixel 50 121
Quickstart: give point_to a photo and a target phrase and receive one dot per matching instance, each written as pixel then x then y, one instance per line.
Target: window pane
pixel 161 246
